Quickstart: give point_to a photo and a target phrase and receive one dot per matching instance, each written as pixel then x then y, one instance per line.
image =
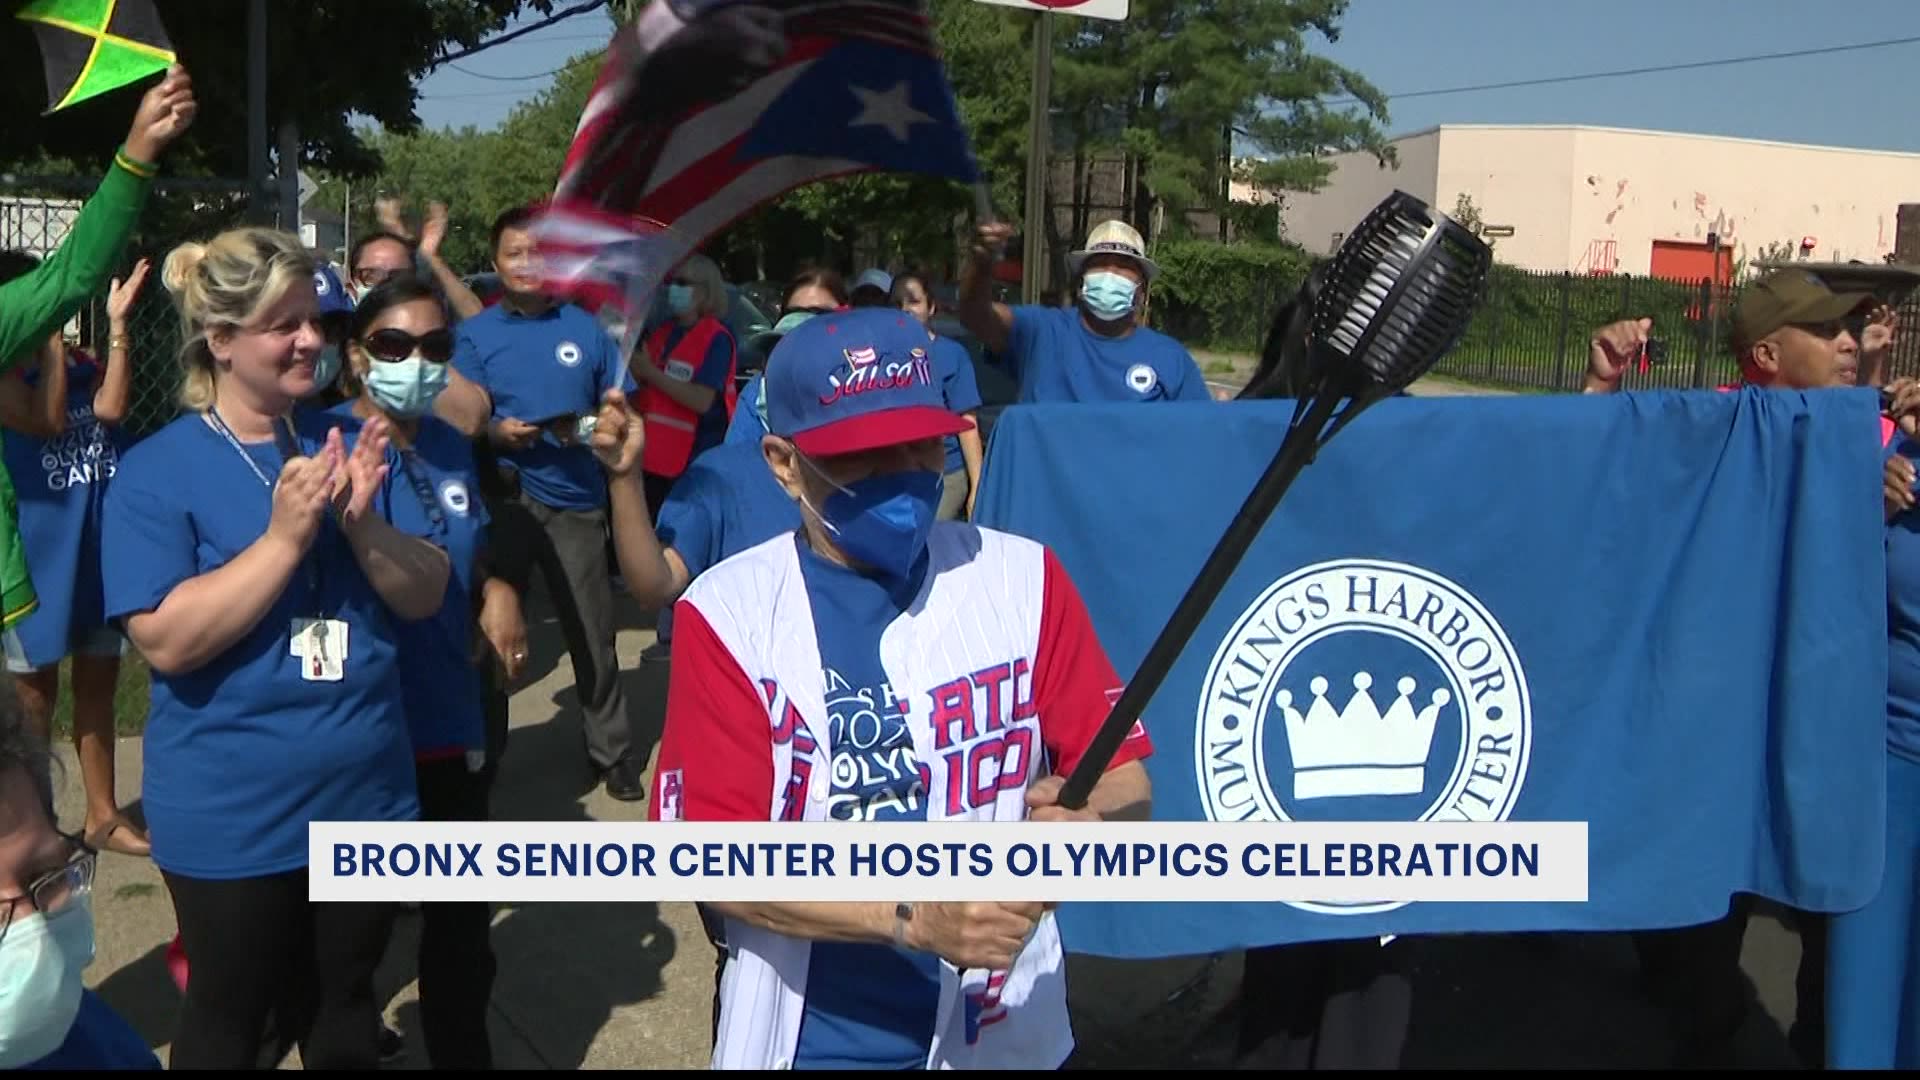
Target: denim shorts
pixel 100 641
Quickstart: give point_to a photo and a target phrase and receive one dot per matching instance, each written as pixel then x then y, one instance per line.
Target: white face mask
pixel 41 961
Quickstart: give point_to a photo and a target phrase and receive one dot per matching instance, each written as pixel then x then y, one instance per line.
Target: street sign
pixel 307 187
pixel 1093 9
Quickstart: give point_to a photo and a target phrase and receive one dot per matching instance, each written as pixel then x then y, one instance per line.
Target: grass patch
pixel 129 697
pixel 1220 367
pixel 135 890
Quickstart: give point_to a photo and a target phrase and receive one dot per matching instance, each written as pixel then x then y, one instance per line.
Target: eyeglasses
pixel 394 346
pixel 373 276
pixel 56 890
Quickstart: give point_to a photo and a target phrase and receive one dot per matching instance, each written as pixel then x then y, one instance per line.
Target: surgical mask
pixel 884 519
pixel 1108 295
pixel 792 319
pixel 326 368
pixel 680 298
pixel 406 387
pixel 41 961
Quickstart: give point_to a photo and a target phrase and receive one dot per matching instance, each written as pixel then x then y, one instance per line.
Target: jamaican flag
pixel 92 46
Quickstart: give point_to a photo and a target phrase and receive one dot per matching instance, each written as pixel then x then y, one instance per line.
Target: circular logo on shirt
pixel 1142 378
pixel 1362 690
pixel 320 285
pixel 453 496
pixel 568 353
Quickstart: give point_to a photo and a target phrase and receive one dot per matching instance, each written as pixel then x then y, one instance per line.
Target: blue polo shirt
pixel 746 426
pixel 434 493
pixel 243 751
pixel 726 502
pixel 536 368
pixel 1903 620
pixel 1056 358
pixel 953 368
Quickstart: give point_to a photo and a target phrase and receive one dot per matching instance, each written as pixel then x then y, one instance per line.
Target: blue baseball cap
pixel 333 296
pixel 849 381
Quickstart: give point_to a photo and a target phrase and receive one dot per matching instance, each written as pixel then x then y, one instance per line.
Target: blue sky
pixel 1858 98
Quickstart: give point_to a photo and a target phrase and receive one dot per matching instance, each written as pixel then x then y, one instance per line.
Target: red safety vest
pixel 671 425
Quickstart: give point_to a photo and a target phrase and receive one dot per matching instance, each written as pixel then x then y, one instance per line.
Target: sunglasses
pixel 394 346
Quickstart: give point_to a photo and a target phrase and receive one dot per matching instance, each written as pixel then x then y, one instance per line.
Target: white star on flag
pixel 891 109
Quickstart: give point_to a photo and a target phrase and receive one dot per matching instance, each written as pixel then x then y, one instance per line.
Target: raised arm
pixel 35 304
pixel 110 400
pixel 984 317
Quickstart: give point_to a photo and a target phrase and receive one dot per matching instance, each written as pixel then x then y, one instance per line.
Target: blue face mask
pixel 326 368
pixel 883 520
pixel 41 961
pixel 680 298
pixel 407 387
pixel 1109 296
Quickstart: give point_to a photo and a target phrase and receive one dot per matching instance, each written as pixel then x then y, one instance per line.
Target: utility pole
pixel 289 175
pixel 1034 258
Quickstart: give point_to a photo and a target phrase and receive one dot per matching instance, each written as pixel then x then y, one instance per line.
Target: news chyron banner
pixel 1659 614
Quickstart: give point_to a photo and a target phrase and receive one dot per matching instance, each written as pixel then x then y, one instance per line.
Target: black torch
pixel 1397 295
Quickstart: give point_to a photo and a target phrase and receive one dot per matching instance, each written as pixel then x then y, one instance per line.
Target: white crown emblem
pixel 1360 751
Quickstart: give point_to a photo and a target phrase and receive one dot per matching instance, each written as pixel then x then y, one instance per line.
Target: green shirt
pixel 36 304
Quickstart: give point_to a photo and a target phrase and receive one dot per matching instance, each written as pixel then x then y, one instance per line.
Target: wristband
pixel 140 169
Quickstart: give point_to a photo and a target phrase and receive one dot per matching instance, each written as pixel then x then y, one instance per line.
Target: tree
pixel 329 60
pixel 1176 83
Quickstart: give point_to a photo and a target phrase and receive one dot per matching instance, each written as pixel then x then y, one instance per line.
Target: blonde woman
pixel 685 373
pixel 244 562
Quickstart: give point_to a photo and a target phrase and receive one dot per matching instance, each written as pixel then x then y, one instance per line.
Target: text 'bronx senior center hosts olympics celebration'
pixel 1325 862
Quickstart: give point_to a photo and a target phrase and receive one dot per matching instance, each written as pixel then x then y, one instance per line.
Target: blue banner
pixel 1661 613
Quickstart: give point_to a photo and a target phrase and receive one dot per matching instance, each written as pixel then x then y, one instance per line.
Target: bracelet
pixel 902 914
pixel 138 168
pixel 120 342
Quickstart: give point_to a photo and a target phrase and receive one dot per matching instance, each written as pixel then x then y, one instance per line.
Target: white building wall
pixel 1587 198
pixel 1358 184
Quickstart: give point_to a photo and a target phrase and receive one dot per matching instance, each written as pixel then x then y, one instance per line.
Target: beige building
pixel 1607 200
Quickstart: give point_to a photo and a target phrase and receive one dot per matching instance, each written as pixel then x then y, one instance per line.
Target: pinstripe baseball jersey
pixel 964 689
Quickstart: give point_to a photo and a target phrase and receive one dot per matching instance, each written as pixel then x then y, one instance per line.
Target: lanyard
pixel 283 440
pixel 416 474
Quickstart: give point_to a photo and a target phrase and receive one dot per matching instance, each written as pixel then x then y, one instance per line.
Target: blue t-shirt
pixel 1056 358
pixel 868 1006
pixel 953 368
pixel 433 493
pixel 746 425
pixel 100 1039
pixel 726 502
pixel 536 368
pixel 1903 620
pixel 61 485
pixel 714 372
pixel 242 752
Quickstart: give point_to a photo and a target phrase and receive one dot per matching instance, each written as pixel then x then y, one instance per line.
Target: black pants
pixel 569 548
pixel 258 947
pixel 1324 1005
pixel 456 954
pixel 1694 973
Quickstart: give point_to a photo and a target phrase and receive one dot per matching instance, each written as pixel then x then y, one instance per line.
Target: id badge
pixel 321 647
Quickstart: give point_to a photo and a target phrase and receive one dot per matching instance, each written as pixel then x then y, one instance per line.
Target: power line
pixel 1640 71
pixel 509 78
pixel 577 9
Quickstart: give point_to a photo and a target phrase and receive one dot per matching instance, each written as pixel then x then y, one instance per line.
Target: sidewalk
pixel 590 986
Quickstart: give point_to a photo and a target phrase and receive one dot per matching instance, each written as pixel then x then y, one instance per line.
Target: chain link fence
pixel 35 218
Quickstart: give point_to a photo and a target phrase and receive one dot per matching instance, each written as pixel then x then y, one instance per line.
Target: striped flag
pixel 707 109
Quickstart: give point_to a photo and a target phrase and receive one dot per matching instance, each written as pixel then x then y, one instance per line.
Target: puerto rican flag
pixel 707 109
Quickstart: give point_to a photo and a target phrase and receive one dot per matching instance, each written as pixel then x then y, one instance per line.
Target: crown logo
pixel 1360 750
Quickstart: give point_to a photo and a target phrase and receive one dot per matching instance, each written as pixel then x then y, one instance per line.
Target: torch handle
pixel 1294 454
